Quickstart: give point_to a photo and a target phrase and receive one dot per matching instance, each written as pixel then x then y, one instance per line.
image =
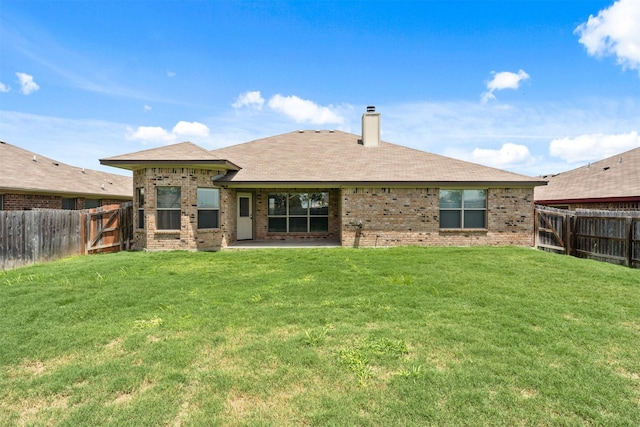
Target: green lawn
pixel 402 336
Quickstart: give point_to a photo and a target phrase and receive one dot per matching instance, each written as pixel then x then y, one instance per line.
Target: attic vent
pixel 606 168
pixel 56 164
pixel 300 131
pixel 371 109
pixel 331 131
pixel 317 131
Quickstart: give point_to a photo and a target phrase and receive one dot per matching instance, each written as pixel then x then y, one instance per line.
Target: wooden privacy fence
pixel 611 236
pixel 28 237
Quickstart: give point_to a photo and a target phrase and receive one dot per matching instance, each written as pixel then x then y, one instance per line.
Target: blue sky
pixel 529 86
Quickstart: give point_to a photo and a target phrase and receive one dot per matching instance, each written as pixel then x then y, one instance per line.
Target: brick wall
pixel 357 216
pixel 188 236
pixel 405 216
pixel 21 202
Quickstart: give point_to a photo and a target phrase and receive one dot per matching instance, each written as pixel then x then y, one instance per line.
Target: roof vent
pixel 301 131
pixel 606 168
pixel 371 109
pixel 34 159
pixel 83 170
pixel 620 161
pixel 102 186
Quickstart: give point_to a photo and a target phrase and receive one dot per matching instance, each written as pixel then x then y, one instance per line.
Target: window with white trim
pixel 298 212
pixel 463 208
pixel 208 208
pixel 168 208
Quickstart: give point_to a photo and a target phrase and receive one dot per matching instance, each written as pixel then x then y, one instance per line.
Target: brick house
pixel 323 186
pixel 30 181
pixel 609 184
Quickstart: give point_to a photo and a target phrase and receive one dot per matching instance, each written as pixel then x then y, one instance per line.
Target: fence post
pixel 629 228
pixel 83 249
pixel 536 212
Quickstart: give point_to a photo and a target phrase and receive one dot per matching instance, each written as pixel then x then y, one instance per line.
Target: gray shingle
pixel 19 172
pixel 614 177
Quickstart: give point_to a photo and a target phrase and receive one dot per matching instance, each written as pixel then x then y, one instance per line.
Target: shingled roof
pixel 616 178
pixel 312 157
pixel 185 154
pixel 23 171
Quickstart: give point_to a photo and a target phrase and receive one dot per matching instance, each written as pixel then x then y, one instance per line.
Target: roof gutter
pixel 140 164
pixel 382 184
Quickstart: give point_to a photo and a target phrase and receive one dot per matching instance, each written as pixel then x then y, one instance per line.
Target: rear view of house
pixel 323 185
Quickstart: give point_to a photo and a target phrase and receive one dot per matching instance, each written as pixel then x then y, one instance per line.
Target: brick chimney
pixel 371 127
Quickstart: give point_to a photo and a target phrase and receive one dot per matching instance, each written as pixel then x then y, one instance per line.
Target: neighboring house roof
pixel 339 157
pixel 185 154
pixel 23 171
pixel 616 178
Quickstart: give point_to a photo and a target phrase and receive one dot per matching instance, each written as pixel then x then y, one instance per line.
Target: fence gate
pixel 108 228
pixel 553 229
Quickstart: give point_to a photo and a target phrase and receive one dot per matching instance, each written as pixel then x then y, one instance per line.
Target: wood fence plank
pixel 603 235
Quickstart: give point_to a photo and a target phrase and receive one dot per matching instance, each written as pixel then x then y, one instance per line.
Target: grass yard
pixel 402 336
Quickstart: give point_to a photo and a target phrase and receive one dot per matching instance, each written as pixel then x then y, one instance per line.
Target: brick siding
pixel 360 217
pixel 188 236
pixel 399 216
pixel 22 202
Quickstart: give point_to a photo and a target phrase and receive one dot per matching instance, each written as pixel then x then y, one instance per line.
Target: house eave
pixel 623 199
pixel 382 184
pixel 63 193
pixel 134 165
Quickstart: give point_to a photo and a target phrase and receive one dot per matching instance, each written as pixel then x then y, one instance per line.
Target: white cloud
pixel 614 31
pixel 508 155
pixel 171 73
pixel 503 80
pixel 4 87
pixel 302 110
pixel 157 134
pixel 593 147
pixel 151 134
pixel 27 85
pixel 249 99
pixel 183 128
pixel 147 108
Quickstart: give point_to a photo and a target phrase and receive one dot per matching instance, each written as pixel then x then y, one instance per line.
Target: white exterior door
pixel 245 217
